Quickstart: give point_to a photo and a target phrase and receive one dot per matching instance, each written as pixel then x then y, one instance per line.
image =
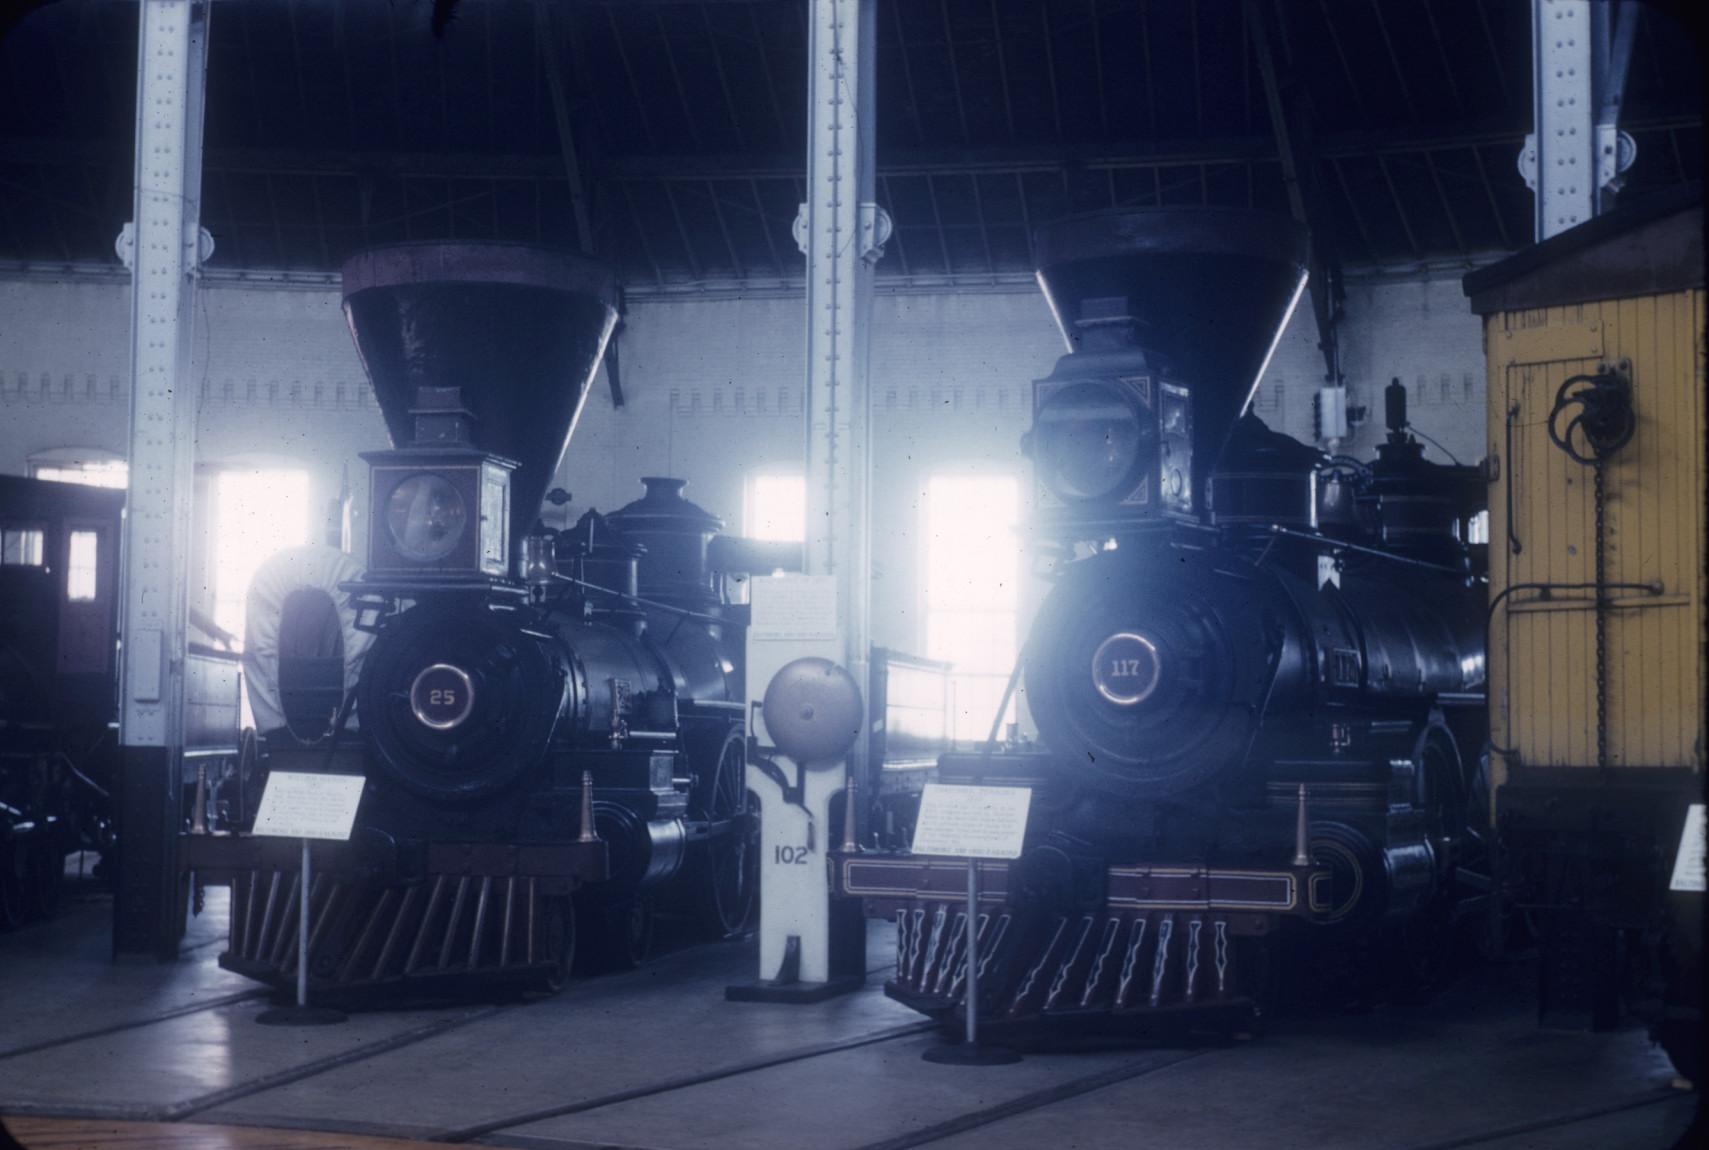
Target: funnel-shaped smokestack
pixel 518 331
pixel 1205 290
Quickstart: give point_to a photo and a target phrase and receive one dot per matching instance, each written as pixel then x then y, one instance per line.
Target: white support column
pixel 163 246
pixel 1576 151
pixel 843 232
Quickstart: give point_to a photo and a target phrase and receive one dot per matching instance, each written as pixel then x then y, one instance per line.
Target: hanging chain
pixel 1601 626
pixel 1600 407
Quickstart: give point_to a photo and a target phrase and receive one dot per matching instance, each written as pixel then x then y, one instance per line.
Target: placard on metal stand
pixel 306 806
pixel 978 823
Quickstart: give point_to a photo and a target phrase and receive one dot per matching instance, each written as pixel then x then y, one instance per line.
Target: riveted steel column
pixel 1576 152
pixel 164 246
pixel 842 232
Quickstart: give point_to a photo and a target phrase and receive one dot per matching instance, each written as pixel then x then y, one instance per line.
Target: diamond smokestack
pixel 510 334
pixel 1206 290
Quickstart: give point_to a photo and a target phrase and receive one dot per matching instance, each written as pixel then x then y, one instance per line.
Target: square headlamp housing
pixel 1107 449
pixel 438 515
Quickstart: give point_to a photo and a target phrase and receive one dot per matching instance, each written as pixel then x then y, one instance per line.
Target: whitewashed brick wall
pixel 714 390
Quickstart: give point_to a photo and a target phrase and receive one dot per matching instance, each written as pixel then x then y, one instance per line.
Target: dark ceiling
pixel 335 125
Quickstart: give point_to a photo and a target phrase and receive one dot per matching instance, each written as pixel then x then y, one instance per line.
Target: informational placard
pixel 972 822
pixel 793 607
pixel 298 805
pixel 1688 863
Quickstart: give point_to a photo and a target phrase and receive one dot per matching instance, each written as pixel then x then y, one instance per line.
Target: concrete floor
pixel 656 1059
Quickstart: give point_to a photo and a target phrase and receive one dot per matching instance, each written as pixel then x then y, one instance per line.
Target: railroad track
pixel 504 1129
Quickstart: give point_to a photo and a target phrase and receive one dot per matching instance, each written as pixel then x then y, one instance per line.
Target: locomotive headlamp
pixel 1088 442
pixel 1126 668
pixel 426 517
pixel 438 515
pixel 1110 450
pixel 442 697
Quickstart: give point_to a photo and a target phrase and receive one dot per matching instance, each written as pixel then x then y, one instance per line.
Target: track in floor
pixel 508 1129
pixel 135 1023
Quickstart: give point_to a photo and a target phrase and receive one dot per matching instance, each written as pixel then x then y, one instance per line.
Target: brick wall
pixel 714 390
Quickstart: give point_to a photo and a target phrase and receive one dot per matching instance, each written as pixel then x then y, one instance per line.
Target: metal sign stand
pixel 302 1014
pixel 968 1052
pixel 308 806
pixel 973 822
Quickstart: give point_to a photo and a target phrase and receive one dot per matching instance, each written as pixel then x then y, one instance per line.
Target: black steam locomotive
pixel 553 747
pixel 1257 679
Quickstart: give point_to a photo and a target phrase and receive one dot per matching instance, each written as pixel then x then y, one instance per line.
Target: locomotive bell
pixel 813 711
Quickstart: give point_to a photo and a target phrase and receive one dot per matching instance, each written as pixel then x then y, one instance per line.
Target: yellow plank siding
pixel 1543 657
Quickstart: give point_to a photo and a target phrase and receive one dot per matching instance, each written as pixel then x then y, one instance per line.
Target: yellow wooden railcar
pixel 1595 348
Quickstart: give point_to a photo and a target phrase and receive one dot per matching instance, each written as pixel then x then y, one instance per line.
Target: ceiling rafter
pixel 1447 205
pixel 641 234
pixel 273 217
pixel 1198 87
pixel 1400 208
pixel 765 72
pixel 1442 55
pixel 984 227
pixel 895 232
pixel 938 222
pixel 692 168
pixel 765 226
pixel 676 79
pixel 1394 62
pixel 1050 70
pixel 1353 207
pixel 724 80
pixel 954 72
pixel 1353 89
pixel 913 116
pixel 682 230
pixel 1145 59
pixel 1026 217
pixel 1489 193
pixel 1002 69
pixel 736 263
pixel 629 74
pixel 1098 67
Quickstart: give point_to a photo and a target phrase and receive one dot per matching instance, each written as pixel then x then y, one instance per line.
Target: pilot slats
pixel 1122 964
pixel 361 934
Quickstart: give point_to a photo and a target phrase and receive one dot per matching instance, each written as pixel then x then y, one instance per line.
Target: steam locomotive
pixel 1257 680
pixel 552 746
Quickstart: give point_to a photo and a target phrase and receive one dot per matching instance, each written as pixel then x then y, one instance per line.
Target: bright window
pixel 256 515
pixel 21 546
pixel 91 473
pixel 82 567
pixel 972 601
pixel 776 507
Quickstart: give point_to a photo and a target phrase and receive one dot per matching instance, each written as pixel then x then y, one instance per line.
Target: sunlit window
pixel 776 507
pixel 82 568
pixel 972 601
pixel 90 473
pixel 256 515
pixel 21 547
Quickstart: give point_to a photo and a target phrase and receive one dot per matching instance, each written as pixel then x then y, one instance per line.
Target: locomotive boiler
pixel 1256 680
pixel 549 722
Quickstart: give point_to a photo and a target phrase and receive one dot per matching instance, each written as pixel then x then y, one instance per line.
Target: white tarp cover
pixel 312 567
